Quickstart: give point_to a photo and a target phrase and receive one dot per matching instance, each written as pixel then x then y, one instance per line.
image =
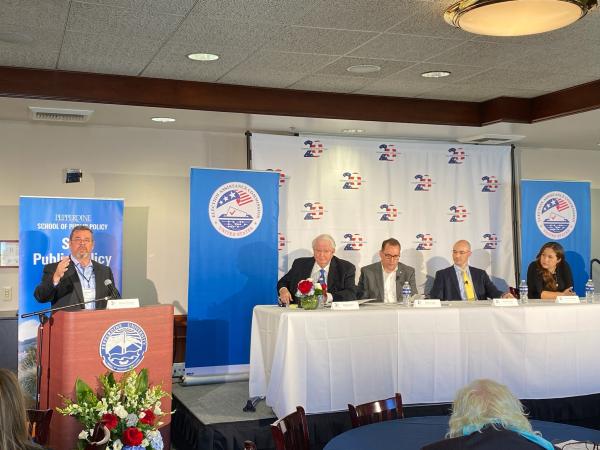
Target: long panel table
pixel 325 359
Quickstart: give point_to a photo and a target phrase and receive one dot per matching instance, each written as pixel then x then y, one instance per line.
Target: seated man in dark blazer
pixel 464 282
pixel 384 279
pixel 486 415
pixel 339 274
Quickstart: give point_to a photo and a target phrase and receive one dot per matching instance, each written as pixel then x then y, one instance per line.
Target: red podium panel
pixel 71 349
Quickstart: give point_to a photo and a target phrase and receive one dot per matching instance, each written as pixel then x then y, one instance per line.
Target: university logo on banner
pixel 313 149
pixel 315 211
pixel 490 184
pixel 282 176
pixel 353 242
pixel 388 212
pixel 423 183
pixel 490 241
pixel 556 215
pixel 387 152
pixel 123 346
pixel 425 241
pixel 352 180
pixel 456 156
pixel 458 213
pixel 235 210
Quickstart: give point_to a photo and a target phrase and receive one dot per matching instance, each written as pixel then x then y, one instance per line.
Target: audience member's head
pixel 486 402
pixel 13 421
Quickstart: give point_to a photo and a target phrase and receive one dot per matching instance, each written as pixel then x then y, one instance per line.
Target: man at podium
pixel 76 278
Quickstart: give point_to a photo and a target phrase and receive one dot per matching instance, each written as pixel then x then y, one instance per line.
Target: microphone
pixel 114 293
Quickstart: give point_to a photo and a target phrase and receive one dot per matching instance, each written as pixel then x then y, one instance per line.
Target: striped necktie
pixel 468 287
pixel 322 277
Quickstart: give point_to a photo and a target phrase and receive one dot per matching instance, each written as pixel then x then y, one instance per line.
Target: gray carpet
pixel 218 403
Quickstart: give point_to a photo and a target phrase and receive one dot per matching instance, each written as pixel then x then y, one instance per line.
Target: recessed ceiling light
pixel 163 119
pixel 364 68
pixel 203 56
pixel 352 130
pixel 436 74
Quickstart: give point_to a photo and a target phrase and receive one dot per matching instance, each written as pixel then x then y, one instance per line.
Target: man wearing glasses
pixel 76 278
pixel 464 282
pixel 384 280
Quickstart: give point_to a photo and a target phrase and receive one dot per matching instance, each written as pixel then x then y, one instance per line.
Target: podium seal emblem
pixel 123 346
pixel 235 210
pixel 556 215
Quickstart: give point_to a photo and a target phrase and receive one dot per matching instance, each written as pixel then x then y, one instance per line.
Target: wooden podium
pixel 70 349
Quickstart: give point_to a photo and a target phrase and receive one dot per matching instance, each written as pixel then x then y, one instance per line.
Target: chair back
pixel 39 424
pixel 291 432
pixel 377 411
pixel 249 445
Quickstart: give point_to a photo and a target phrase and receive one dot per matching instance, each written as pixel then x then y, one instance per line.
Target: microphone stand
pixel 41 315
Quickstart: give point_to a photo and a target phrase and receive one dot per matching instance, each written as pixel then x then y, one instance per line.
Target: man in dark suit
pixel 339 274
pixel 76 278
pixel 383 280
pixel 464 282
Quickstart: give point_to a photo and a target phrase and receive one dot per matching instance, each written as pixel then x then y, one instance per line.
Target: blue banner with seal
pixel 558 211
pixel 232 265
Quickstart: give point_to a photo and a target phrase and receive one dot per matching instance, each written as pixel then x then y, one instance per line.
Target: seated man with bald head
pixel 462 281
pixel 323 265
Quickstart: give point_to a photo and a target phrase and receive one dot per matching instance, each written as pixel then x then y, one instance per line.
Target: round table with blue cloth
pixel 415 432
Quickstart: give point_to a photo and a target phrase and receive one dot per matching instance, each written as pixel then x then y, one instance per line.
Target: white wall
pixel 149 168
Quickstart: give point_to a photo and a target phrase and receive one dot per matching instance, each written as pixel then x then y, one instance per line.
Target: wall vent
pixel 60 114
pixel 491 139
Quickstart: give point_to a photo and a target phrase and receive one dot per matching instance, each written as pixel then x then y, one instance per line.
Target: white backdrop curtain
pixel 362 191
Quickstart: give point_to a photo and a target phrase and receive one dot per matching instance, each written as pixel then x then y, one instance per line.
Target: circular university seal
pixel 556 215
pixel 235 210
pixel 122 346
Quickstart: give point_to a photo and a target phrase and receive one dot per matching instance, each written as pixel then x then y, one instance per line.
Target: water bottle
pixel 406 293
pixel 589 291
pixel 523 291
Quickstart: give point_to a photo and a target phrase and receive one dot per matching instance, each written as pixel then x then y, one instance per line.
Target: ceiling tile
pixel 97 19
pixel 32 14
pixel 404 47
pixel 456 72
pixel 388 67
pixel 358 14
pixel 318 40
pixel 479 54
pixel 278 11
pixel 428 20
pixel 42 52
pixel 105 53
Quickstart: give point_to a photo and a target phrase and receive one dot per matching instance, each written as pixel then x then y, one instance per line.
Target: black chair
pixel 377 411
pixel 39 424
pixel 291 432
pixel 249 445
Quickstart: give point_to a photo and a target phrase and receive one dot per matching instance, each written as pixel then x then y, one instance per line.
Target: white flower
pixel 318 286
pixel 118 445
pixel 157 410
pixel 120 411
pixel 142 415
pixel 83 435
pixel 145 443
pixel 131 420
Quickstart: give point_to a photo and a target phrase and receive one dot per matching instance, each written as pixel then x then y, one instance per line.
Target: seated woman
pixel 13 416
pixel 550 275
pixel 485 415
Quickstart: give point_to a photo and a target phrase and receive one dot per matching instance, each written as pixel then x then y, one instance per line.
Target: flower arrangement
pixel 308 293
pixel 128 408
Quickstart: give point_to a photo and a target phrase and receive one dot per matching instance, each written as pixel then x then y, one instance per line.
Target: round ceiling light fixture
pixel 364 68
pixel 203 56
pixel 163 119
pixel 436 74
pixel 515 17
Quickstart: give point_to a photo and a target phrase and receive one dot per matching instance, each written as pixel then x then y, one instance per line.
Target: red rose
pixel 305 286
pixel 132 436
pixel 148 418
pixel 110 421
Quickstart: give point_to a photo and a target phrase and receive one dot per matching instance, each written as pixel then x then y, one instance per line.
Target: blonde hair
pixel 486 402
pixel 13 421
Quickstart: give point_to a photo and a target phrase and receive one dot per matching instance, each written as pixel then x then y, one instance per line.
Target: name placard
pixel 505 302
pixel 344 306
pixel 123 303
pixel 568 299
pixel 427 303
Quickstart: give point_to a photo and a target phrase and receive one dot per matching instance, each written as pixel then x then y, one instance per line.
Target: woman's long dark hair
pixel 549 280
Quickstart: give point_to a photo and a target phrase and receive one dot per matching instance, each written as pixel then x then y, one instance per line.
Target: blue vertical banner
pixel 233 264
pixel 44 227
pixel 557 211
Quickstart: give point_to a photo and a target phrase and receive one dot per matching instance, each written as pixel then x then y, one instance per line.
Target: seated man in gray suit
pixel 383 280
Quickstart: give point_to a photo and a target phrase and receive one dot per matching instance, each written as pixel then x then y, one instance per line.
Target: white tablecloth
pixel 325 359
